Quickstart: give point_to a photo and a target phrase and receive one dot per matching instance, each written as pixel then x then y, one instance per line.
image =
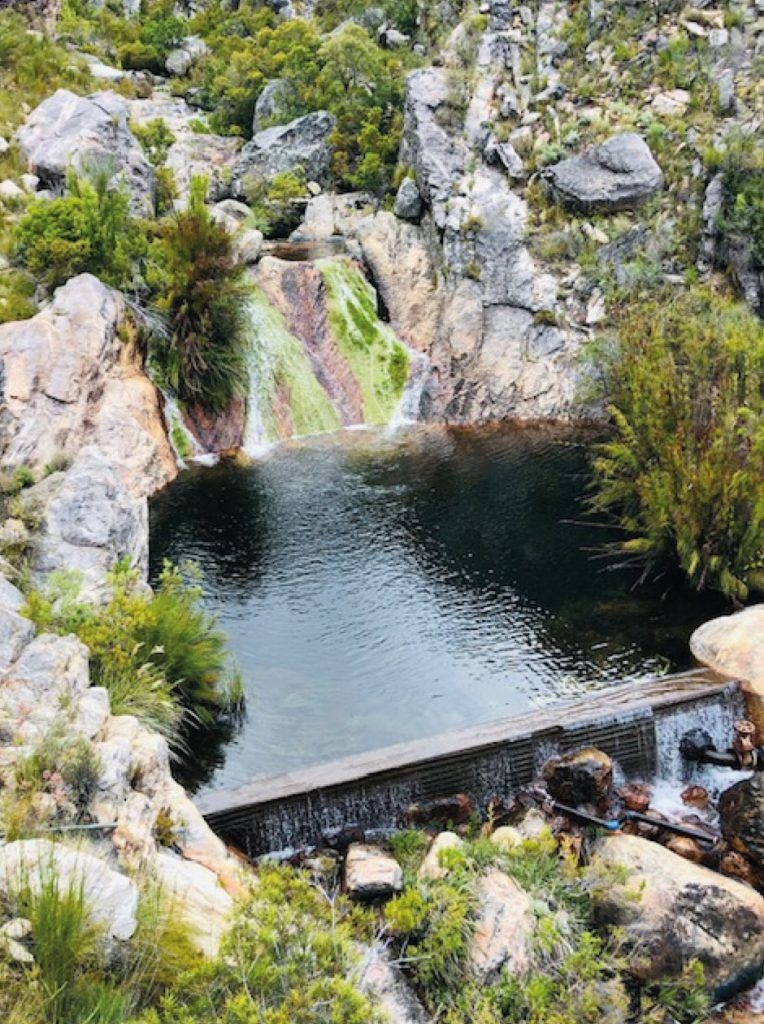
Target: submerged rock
pixel 370 873
pixel 674 911
pixel 619 174
pixel 68 132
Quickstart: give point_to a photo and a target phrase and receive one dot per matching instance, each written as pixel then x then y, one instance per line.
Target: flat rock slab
pixel 370 873
pixel 619 174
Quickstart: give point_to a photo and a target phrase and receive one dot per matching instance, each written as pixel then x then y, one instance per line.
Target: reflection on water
pixel 380 589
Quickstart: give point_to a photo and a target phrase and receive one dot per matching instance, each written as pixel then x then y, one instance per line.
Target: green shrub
pixel 90 230
pixel 276 207
pixel 742 214
pixel 290 958
pixel 198 289
pixel 156 138
pixel 683 475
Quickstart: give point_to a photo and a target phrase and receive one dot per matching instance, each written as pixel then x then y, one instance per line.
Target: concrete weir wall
pixel 632 722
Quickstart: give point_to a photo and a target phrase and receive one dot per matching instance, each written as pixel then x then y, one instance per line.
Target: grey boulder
pixel 271 104
pixel 303 143
pixel 80 133
pixel 408 201
pixel 619 174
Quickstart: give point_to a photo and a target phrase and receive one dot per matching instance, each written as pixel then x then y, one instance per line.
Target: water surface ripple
pixel 380 589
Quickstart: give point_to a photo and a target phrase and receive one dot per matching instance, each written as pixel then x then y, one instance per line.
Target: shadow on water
pixel 380 589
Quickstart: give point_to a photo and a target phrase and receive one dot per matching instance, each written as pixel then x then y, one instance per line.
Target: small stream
pixel 383 587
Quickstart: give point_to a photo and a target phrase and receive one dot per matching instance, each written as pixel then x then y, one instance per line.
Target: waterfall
pixel 407 412
pixel 320 359
pixel 184 444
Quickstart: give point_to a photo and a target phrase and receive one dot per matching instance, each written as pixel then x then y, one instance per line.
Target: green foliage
pixel 78 978
pixel 290 958
pixel 683 475
pixel 88 231
pixel 742 216
pixel 32 66
pixel 346 73
pixel 199 290
pixel 61 765
pixel 156 654
pixel 156 138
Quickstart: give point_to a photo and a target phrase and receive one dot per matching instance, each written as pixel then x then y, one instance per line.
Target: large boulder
pixel 619 174
pixel 733 645
pixel 199 155
pixel 303 143
pixel 110 897
pixel 80 133
pixel 69 382
pixel 741 814
pixel 673 911
pixel 180 60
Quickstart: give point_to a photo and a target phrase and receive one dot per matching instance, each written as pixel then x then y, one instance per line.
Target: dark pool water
pixel 380 589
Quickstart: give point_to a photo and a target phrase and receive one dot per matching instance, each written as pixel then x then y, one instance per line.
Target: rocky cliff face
pixel 75 396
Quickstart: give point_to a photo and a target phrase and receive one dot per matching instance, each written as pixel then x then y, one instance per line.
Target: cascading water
pixel 184 444
pixel 320 357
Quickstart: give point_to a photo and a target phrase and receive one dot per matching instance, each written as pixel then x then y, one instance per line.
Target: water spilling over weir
pixel 638 725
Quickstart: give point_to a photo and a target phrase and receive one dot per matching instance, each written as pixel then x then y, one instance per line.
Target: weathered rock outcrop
pixel 674 911
pixel 619 174
pixel 734 646
pixel 192 153
pixel 87 401
pixel 68 132
pixel 383 979
pixel 303 143
pixel 111 898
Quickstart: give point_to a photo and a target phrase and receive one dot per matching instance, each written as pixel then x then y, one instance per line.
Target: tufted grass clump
pixel 199 291
pixel 161 656
pixel 683 474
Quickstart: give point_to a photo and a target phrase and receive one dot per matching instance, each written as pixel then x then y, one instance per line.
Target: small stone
pixel 15 951
pixel 595 309
pixel 696 30
pixel 17 928
pixel 718 38
pixel 685 847
pixel 735 865
pixel 431 866
pixel 596 234
pixel 673 103
pixel 532 825
pixel 4 145
pixel 30 182
pixel 507 838
pixel 636 796
pixel 313 188
pixel 695 796
pixel 370 873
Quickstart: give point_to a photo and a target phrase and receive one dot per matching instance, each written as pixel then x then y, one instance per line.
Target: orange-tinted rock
pixel 583 777
pixel 636 796
pixel 695 796
pixel 687 848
